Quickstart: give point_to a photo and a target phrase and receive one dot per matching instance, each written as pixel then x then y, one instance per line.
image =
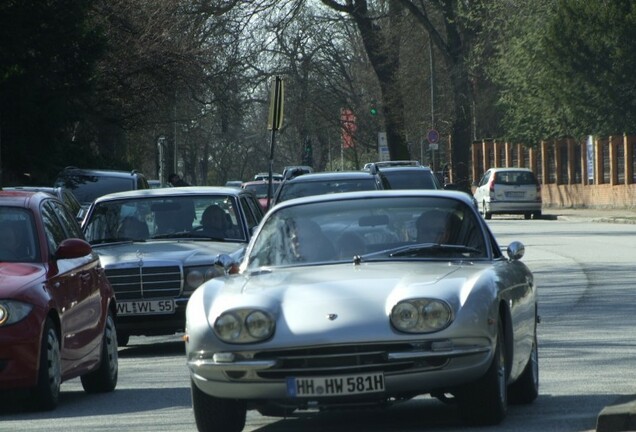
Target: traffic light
pixel 373 109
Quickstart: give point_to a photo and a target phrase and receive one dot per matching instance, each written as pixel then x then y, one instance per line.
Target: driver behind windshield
pixel 433 226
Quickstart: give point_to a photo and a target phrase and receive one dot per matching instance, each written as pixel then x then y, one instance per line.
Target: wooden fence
pixel 595 173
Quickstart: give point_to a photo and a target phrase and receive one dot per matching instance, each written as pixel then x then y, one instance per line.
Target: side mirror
pixel 73 248
pixel 515 251
pixel 229 264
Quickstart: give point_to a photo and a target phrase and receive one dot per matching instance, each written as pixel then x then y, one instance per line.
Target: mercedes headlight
pixel 195 276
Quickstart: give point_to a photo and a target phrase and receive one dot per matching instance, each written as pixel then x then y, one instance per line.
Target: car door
pixel 482 188
pixel 73 284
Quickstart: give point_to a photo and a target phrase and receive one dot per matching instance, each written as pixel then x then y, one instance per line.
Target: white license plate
pixel 335 385
pixel 146 307
pixel 515 194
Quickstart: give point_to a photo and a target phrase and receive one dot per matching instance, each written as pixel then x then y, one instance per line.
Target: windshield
pixel 387 228
pixel 411 179
pixel 212 217
pixel 87 188
pixel 260 189
pixel 18 238
pixel 309 188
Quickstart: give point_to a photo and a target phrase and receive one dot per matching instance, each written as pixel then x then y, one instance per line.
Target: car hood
pixel 14 277
pixel 184 252
pixel 344 302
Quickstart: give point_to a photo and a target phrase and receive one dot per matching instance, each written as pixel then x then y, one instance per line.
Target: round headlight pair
pixel 421 315
pixel 244 326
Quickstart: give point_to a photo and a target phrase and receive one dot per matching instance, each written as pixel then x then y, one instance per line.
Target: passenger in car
pixel 434 226
pixel 132 228
pixel 215 222
pixel 309 243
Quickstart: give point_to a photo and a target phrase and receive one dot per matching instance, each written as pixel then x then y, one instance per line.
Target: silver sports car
pixel 365 299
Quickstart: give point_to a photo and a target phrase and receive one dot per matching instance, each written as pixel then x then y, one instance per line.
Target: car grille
pixel 346 358
pixel 145 282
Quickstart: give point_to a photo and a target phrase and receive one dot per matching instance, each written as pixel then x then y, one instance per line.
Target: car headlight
pixel 195 276
pixel 244 326
pixel 12 311
pixel 421 315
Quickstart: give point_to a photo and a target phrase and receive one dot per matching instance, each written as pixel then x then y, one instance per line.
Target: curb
pixel 617 418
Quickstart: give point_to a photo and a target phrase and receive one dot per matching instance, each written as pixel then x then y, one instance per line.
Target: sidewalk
pixel 614 215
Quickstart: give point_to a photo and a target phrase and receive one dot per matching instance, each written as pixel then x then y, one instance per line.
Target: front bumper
pixel 19 353
pixel 408 370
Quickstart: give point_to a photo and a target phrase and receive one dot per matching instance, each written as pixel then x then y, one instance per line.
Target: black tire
pixel 122 339
pixel 46 393
pixel 527 216
pixel 485 402
pixel 215 414
pixel 104 378
pixel 536 215
pixel 526 389
pixel 486 213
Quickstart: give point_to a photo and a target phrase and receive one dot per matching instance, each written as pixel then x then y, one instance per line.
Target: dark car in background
pixel 407 174
pixel 260 188
pixel 159 245
pixel 88 184
pixel 57 308
pixel 297 184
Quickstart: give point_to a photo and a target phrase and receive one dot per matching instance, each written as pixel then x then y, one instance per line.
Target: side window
pixel 70 223
pixel 252 211
pixel 485 178
pixel 54 230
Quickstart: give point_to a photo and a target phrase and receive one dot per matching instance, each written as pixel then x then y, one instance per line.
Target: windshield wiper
pixel 433 249
pixel 423 249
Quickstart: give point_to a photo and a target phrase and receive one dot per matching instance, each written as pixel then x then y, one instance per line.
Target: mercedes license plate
pixel 335 385
pixel 146 307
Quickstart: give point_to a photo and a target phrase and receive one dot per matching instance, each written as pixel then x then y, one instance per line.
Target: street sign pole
pixel 274 123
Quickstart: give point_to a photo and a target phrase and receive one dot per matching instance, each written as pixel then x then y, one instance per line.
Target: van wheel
pixel 485 212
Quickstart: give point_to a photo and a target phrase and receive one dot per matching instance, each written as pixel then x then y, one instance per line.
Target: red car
pixel 260 188
pixel 57 309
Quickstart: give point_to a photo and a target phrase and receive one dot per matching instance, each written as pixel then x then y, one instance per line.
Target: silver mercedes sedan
pixel 365 299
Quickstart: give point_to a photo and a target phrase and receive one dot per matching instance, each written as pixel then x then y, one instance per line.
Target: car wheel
pixel 536 215
pixel 47 390
pixel 104 378
pixel 527 215
pixel 122 339
pixel 486 213
pixel 526 389
pixel 485 401
pixel 215 414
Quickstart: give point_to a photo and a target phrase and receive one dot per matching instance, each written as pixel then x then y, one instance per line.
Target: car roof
pixel 330 175
pixel 172 192
pixel 404 168
pixel 370 194
pixel 99 172
pixel 258 182
pixel 509 169
pixel 22 198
